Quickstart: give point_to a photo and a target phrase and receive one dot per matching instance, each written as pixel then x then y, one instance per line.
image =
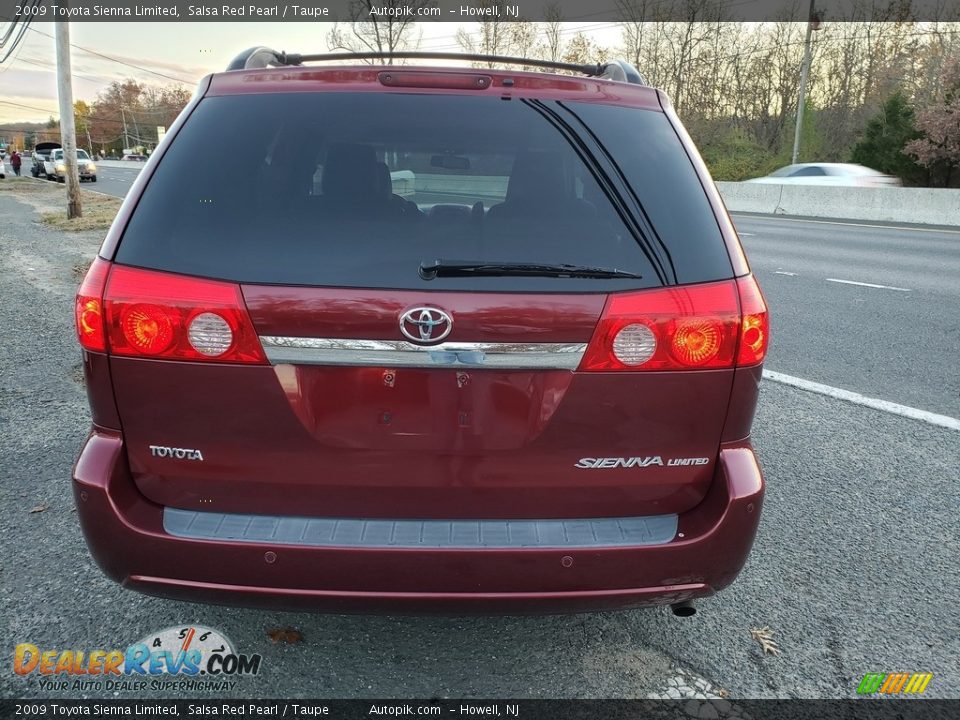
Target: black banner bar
pixel 474 10
pixel 889 709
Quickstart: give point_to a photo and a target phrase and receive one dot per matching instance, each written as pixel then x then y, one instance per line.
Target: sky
pixel 181 51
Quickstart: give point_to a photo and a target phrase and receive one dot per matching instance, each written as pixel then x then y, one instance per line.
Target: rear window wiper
pixel 473 268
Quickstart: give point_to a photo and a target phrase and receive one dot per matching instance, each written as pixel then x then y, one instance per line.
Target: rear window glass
pixel 359 189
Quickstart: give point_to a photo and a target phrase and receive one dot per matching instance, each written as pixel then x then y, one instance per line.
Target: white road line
pixel 884 405
pixel 746 234
pixel 909 228
pixel 870 285
pixel 784 272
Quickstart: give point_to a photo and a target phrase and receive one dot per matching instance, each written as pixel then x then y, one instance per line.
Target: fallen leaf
pixel 764 636
pixel 39 508
pixel 284 635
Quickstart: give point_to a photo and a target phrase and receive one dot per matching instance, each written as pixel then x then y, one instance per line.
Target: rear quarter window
pixel 359 189
pixel 646 148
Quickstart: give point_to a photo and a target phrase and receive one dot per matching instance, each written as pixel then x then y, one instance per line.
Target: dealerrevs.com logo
pixel 188 657
pixel 894 683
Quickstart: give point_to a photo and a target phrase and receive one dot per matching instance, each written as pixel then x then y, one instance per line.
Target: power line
pixel 23 28
pixel 54 113
pixel 121 62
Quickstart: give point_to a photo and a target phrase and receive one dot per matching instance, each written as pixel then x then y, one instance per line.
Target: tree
pixel 552 44
pixel 939 147
pixel 81 121
pixel 885 137
pixel 635 16
pixel 515 37
pixel 378 26
pixel 583 51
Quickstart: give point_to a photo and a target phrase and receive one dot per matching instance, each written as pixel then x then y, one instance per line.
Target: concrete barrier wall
pixel 925 206
pixel 130 164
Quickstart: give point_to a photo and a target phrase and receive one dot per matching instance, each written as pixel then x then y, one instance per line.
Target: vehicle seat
pixel 397 203
pixel 350 175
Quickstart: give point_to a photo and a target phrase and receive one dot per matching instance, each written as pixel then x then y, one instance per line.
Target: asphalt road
pixel 854 569
pixel 899 342
pixel 115 181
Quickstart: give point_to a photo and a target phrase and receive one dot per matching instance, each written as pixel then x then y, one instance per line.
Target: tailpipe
pixel 684 609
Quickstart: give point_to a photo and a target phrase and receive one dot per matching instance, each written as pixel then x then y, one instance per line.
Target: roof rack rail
pixel 257 58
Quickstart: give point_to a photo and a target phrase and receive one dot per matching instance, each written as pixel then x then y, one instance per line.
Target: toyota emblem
pixel 425 325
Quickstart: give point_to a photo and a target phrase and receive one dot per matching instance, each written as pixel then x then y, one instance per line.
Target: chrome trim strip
pixel 423 534
pixel 400 353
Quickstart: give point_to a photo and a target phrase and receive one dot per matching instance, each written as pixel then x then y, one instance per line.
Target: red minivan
pixel 431 339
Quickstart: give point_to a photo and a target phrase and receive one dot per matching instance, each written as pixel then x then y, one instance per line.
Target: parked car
pixel 55 168
pixel 135 158
pixel 41 153
pixel 319 395
pixel 843 174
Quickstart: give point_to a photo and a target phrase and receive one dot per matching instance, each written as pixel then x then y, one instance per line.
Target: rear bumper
pixel 126 536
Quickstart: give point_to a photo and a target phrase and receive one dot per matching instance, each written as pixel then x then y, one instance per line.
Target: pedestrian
pixel 15 162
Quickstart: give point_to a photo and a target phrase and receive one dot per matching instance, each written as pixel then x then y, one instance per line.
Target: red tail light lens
pixel 755 329
pixel 89 307
pixel 174 317
pixel 681 328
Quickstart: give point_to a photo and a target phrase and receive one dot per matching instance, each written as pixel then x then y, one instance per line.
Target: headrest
pixel 384 181
pixel 536 177
pixel 350 172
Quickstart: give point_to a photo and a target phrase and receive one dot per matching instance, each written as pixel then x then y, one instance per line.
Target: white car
pixel 56 170
pixel 844 174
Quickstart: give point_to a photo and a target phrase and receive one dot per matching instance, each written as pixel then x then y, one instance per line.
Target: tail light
pixel 89 307
pixel 683 328
pixel 755 325
pixel 158 315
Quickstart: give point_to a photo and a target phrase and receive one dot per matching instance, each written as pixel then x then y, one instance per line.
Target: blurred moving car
pixel 135 158
pixel 843 174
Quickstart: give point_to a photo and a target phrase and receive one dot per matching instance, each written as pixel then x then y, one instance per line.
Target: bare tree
pixel 634 21
pixel 552 45
pixel 379 26
pixel 494 36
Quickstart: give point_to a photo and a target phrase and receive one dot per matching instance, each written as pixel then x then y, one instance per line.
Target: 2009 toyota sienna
pixel 431 339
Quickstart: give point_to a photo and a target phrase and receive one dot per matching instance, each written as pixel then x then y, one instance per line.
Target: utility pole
pixel 68 135
pixel 126 140
pixel 804 72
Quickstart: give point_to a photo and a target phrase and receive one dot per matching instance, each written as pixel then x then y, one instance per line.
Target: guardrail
pixel 924 206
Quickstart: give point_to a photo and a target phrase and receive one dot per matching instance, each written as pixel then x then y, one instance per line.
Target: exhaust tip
pixel 684 609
